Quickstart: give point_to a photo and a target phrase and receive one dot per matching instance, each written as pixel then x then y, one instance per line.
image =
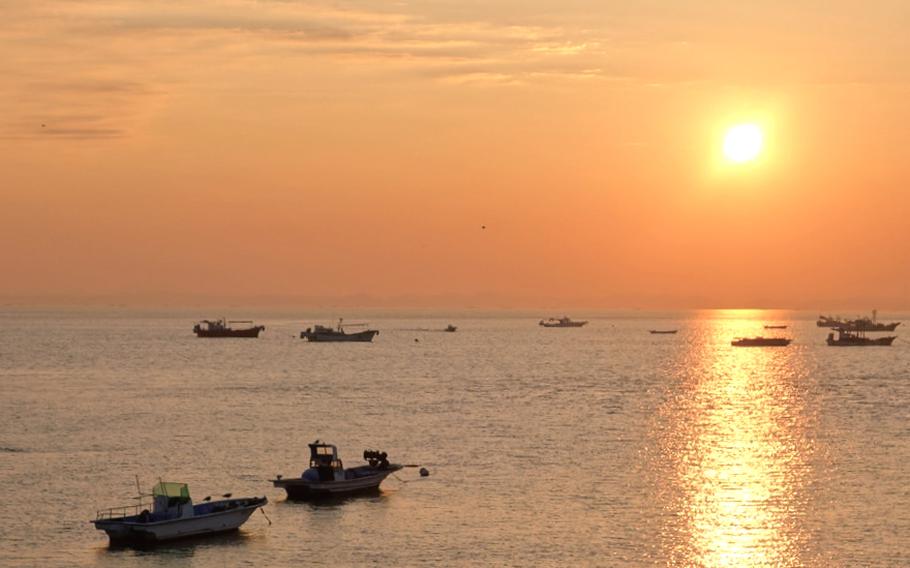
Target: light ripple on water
pixel 601 445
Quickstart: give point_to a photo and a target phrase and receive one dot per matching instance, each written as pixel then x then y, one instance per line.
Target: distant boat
pixel 322 333
pixel 775 327
pixel 328 478
pixel 450 328
pixel 562 322
pixel 868 324
pixel 172 515
pixel 760 342
pixel 662 331
pixel 828 321
pixel 222 328
pixel 858 324
pixel 846 338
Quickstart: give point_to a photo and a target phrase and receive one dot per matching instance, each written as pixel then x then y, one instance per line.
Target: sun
pixel 743 143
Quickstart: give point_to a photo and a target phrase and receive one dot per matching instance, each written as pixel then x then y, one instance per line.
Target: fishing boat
pixel 222 328
pixel 775 327
pixel 328 478
pixel 324 333
pixel 858 324
pixel 662 331
pixel 828 321
pixel 171 514
pixel 868 324
pixel 561 322
pixel 848 338
pixel 761 342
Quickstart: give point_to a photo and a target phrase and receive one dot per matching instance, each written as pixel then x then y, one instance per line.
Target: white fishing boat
pixel 327 477
pixel 171 514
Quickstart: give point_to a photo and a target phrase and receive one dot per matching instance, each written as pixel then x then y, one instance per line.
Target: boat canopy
pixel 171 489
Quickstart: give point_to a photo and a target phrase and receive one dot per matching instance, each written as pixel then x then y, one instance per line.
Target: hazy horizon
pixel 428 304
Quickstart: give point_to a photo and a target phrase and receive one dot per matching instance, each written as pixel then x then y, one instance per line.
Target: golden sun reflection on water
pixel 735 438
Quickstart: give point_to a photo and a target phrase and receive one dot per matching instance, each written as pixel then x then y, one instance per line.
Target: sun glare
pixel 743 143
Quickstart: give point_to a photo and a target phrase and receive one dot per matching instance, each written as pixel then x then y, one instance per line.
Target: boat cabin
pixel 210 325
pixel 171 501
pixel 324 461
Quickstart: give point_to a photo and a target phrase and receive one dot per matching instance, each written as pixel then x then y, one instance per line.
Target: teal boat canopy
pixel 171 489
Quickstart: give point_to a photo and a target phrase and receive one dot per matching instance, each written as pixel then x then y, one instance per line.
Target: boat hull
pixel 252 332
pixel 125 532
pixel 867 326
pixel 763 342
pixel 862 342
pixel 360 336
pixel 570 324
pixel 663 332
pixel 299 489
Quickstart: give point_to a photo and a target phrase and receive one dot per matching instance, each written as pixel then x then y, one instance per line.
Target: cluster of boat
pixel 847 333
pixel 225 328
pixel 171 514
pixel 321 333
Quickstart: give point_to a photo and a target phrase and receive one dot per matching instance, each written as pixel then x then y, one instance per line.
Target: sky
pixel 276 151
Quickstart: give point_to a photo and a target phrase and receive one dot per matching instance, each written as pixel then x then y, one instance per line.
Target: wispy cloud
pixel 114 57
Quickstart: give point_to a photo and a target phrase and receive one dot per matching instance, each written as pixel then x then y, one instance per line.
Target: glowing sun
pixel 743 143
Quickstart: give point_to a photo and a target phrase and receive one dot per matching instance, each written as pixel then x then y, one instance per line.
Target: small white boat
pixel 173 515
pixel 327 478
pixel 564 321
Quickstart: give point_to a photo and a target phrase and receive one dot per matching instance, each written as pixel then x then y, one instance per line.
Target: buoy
pixel 424 472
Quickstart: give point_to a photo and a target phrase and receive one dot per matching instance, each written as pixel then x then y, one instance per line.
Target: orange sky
pixel 279 149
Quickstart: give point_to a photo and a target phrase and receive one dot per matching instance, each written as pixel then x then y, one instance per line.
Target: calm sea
pixel 603 445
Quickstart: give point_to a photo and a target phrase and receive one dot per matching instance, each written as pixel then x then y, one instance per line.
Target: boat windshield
pixel 171 489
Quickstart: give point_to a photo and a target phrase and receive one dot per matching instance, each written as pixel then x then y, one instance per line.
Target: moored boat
pixel 847 338
pixel 828 321
pixel 761 342
pixel 858 324
pixel 564 321
pixel 868 324
pixel 327 477
pixel 324 333
pixel 222 328
pixel 172 515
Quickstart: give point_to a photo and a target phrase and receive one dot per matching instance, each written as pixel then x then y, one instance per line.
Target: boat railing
pixel 124 511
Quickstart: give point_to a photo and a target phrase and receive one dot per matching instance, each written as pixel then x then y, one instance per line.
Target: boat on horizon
pixel 761 341
pixel 564 321
pixel 322 333
pixel 451 328
pixel 869 324
pixel 858 324
pixel 172 515
pixel 775 327
pixel 662 331
pixel 849 338
pixel 327 477
pixel 222 328
pixel 828 321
